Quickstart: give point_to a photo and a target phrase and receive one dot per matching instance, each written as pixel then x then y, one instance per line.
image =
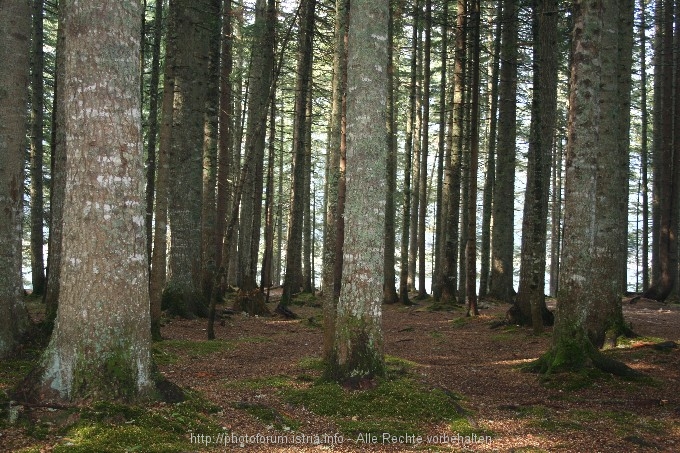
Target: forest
pixel 387 225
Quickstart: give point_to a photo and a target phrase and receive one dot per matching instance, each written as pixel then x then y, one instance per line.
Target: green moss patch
pixel 399 407
pixel 107 427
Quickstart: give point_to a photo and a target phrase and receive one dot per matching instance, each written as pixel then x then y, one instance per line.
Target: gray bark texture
pixel 15 28
pixel 358 333
pixel 190 34
pixel 589 296
pixel 100 347
pixel 504 188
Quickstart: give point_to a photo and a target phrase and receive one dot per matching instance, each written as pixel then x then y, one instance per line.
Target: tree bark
pixel 668 167
pixel 291 281
pixel 489 181
pixel 389 292
pixel 333 238
pixel 100 348
pixel 151 152
pixel 452 182
pixel 260 81
pixel 530 307
pixel 36 158
pixel 589 302
pixel 15 29
pixel 471 245
pixel 502 236
pixel 182 293
pixel 358 351
pixel 425 136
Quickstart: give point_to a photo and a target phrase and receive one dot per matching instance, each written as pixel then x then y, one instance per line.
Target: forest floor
pixel 453 384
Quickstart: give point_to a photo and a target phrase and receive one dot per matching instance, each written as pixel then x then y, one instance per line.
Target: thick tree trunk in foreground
pixel 100 348
pixel 589 301
pixel 15 28
pixel 358 351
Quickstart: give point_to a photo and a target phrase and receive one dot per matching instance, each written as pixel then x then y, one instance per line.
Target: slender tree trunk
pixel 15 29
pixel 657 136
pixel 58 183
pixel 358 350
pixel 405 276
pixel 151 159
pixel 389 292
pixel 260 81
pixel 644 146
pixel 441 158
pixel 268 256
pixel 530 305
pixel 291 283
pixel 422 202
pixel 453 166
pixel 210 145
pixel 417 50
pixel 471 246
pixel 100 348
pixel 668 167
pixel 489 181
pixel 225 144
pixel 158 275
pixel 504 190
pixel 36 159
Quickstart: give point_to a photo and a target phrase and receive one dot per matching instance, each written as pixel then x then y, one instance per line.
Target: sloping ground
pixel 258 375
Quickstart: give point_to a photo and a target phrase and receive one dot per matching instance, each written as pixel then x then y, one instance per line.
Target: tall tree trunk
pixel 504 190
pixel 657 135
pixel 407 257
pixel 452 181
pixel 422 202
pixel 210 145
pixel 334 238
pixel 268 256
pixel 152 158
pixel 260 81
pixel 530 308
pixel 668 167
pixel 36 159
pixel 58 183
pixel 416 130
pixel 15 29
pixel 100 348
pixel 389 292
pixel 358 351
pixel 471 245
pixel 489 181
pixel 225 144
pixel 441 158
pixel 157 277
pixel 589 302
pixel 182 293
pixel 644 159
pixel 291 282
